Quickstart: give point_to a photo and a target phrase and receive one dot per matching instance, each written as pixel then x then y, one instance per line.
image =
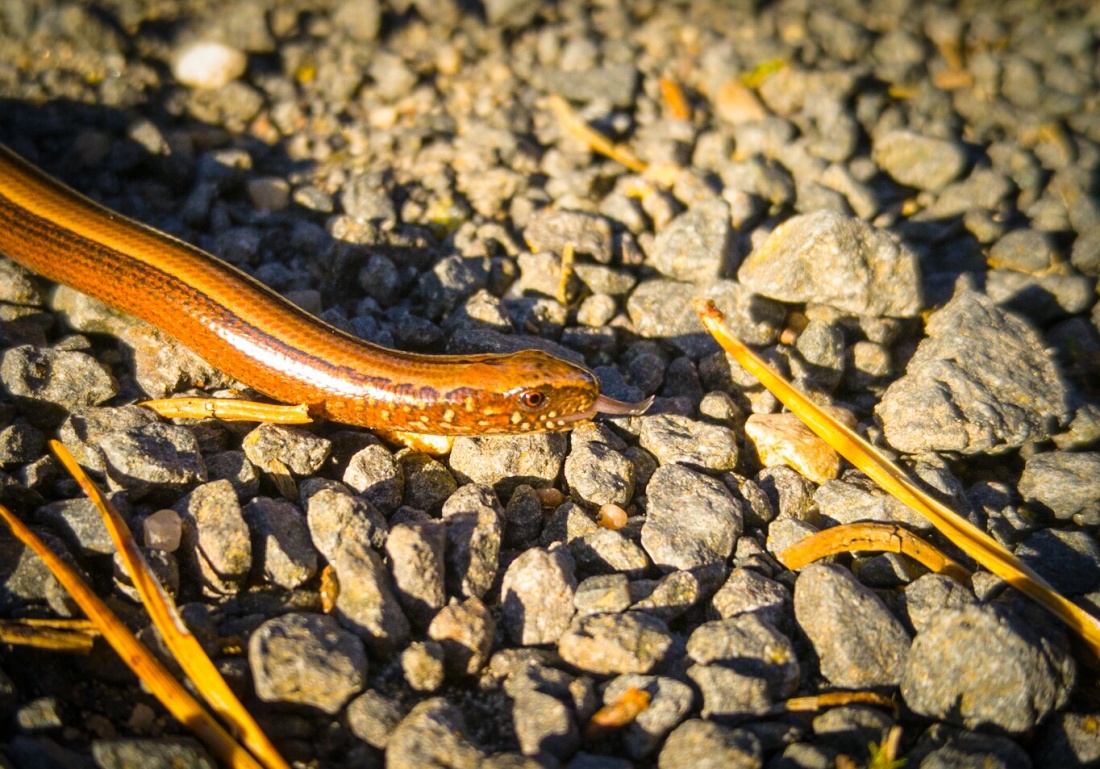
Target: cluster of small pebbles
pixel 897 203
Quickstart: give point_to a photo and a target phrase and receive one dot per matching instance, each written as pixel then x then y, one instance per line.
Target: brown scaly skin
pixel 243 328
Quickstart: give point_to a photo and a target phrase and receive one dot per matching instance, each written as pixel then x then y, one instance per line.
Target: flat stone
pixel 838 260
pixel 858 641
pixel 692 520
pixel 981 381
pixel 306 659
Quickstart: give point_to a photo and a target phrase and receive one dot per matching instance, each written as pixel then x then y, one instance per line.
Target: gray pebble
pixel 980 381
pixel 40 714
pixel 596 310
pixel 671 596
pixel 163 565
pixel 79 522
pixel 432 734
pixel 944 746
pixel 804 755
pixel 1069 739
pixel 544 725
pixel 365 197
pixel 836 260
pixel 857 498
pixel 465 629
pixel 858 641
pixel 1043 298
pixel 605 281
pixel 927 597
pixel 985 665
pixel 615 83
pixel 606 551
pixel 366 603
pixel 377 475
pixel 152 457
pixel 372 717
pixel 81 433
pixel 46 383
pixel 924 162
pixel 83 313
pixel 505 462
pixel 27 579
pixel 748 592
pixel 603 594
pixel 692 520
pixel 1085 255
pixel 743 666
pixel 216 544
pixel 422 664
pixel 163 366
pixel 785 532
pixel 475 525
pixel 1063 482
pixel 20 443
pixel 553 229
pixel 706 745
pixel 163 753
pixel 566 524
pixel 428 484
pixel 537 595
pixel 234 467
pixel 335 515
pixel 697 246
pixel 597 474
pixel 19 286
pixel 281 542
pixel 303 452
pixel 1023 250
pixel 415 550
pixel 278 649
pixel 1068 560
pixel 607 644
pixel 673 439
pixel 522 517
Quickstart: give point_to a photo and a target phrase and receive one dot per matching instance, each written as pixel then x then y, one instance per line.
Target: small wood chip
pixel 618 714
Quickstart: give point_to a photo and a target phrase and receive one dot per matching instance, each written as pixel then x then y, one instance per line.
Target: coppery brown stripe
pixel 256 336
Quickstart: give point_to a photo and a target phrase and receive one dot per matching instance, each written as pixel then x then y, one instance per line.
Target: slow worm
pixel 248 331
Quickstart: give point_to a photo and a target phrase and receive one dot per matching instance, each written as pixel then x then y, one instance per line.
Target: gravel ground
pixel 898 206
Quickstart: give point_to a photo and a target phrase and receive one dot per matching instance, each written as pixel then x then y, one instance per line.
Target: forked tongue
pixel 612 407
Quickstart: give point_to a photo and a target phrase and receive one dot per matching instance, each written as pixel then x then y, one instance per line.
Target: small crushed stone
pixel 306 659
pixel 899 211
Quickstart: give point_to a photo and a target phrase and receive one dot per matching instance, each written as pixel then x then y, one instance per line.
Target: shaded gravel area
pixel 899 204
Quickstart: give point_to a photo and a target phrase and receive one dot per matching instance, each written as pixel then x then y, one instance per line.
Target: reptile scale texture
pixel 248 331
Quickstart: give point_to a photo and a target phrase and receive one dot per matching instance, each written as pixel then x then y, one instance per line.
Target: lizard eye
pixel 532 399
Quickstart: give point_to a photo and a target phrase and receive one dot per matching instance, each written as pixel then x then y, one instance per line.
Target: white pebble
pixel 208 65
pixel 163 530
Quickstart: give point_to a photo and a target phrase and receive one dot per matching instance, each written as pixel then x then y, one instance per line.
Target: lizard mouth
pixel 611 407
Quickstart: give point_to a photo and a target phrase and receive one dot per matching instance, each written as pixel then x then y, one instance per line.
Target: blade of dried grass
pixel 71 636
pixel 162 610
pixel 229 410
pixel 596 141
pixel 976 543
pixel 170 692
pixel 888 537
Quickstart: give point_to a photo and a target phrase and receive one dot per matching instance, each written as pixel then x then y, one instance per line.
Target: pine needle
pixel 162 610
pixel 170 692
pixel 968 537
